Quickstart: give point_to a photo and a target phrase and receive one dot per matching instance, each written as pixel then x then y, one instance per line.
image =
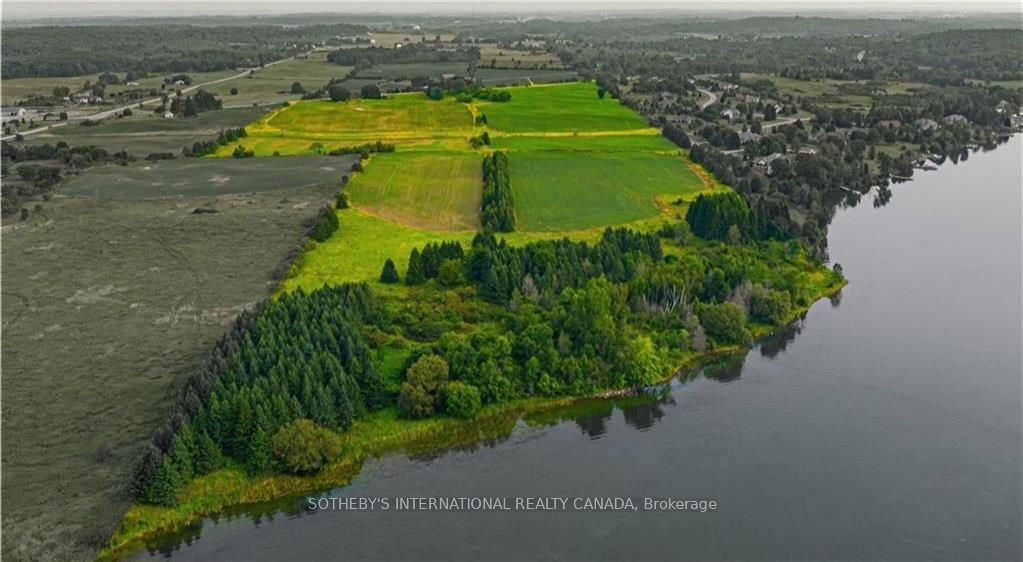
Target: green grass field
pixel 565 191
pixel 579 163
pixel 435 190
pixel 570 107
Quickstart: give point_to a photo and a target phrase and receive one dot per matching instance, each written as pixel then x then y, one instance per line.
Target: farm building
pixel 955 119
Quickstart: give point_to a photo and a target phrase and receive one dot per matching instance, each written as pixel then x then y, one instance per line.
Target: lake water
pixel 886 424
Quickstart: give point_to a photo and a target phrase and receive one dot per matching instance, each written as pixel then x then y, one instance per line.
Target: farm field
pixel 563 191
pixel 522 76
pixel 272 85
pixel 436 190
pixel 143 133
pixel 560 108
pixel 578 164
pixel 97 356
pixel 183 177
pixel 407 71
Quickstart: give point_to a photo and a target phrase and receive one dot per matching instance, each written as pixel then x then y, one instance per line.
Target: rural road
pixel 711 98
pixel 114 111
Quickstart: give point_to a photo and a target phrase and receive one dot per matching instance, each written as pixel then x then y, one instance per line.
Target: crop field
pixel 207 177
pixel 560 108
pixel 272 85
pixel 522 76
pixel 501 57
pixel 108 306
pixel 565 191
pixel 301 126
pixel 650 141
pixel 143 134
pixel 407 71
pixel 434 190
pixel 578 163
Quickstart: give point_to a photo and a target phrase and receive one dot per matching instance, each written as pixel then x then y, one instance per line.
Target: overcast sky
pixel 43 8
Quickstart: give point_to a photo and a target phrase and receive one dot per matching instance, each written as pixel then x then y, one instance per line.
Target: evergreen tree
pixel 390 272
pixel 208 457
pixel 415 274
pixel 163 485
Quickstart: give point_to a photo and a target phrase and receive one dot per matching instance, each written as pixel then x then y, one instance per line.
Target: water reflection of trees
pixel 726 370
pixel 779 341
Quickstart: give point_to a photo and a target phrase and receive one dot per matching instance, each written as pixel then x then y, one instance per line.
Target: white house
pixel 133 83
pixel 13 113
pixel 766 163
pixel 955 119
pixel 731 114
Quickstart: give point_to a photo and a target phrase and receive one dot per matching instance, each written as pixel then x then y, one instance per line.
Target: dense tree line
pixel 498 208
pixel 301 357
pixel 367 57
pixel 148 47
pixel 224 137
pixel 363 149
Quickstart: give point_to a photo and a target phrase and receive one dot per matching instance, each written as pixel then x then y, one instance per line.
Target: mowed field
pixel 560 108
pixel 435 190
pixel 556 191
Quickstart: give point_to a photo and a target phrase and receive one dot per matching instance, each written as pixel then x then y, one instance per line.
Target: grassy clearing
pixel 434 190
pixel 272 85
pixel 143 134
pixel 570 107
pixel 207 177
pixel 108 307
pixel 558 191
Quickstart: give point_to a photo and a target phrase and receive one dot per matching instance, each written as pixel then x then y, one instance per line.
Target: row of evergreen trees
pixel 225 137
pixel 498 210
pixel 499 270
pixel 302 356
pixel 426 264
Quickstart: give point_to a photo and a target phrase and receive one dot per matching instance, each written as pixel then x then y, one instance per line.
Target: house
pixel 765 164
pixel 666 100
pixel 955 119
pixel 168 115
pixel 13 113
pixel 926 124
pixel 731 114
pixel 1002 106
pixel 682 119
pixel 726 87
pixel 87 97
pixel 746 137
pixel 448 76
pixel 132 83
pixel 807 150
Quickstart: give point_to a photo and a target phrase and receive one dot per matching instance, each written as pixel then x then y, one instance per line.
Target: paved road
pixel 114 111
pixel 711 98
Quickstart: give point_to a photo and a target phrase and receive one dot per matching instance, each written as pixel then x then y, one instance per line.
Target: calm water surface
pixel 885 425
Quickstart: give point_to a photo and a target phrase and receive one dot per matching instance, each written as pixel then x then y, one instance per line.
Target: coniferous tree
pixel 390 272
pixel 415 275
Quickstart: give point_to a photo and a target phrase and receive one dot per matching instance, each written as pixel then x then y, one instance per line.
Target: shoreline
pixel 376 435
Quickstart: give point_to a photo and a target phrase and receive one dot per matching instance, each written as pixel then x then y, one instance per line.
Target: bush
pixel 461 400
pixel 305 447
pixel 339 93
pixel 450 273
pixel 327 226
pixel 370 91
pixel 725 322
pixel 421 392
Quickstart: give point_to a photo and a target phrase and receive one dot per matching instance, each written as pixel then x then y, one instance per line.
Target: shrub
pixel 461 400
pixel 339 93
pixel 725 322
pixel 421 392
pixel 450 273
pixel 327 226
pixel 305 447
pixel 370 91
